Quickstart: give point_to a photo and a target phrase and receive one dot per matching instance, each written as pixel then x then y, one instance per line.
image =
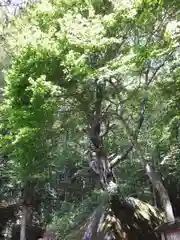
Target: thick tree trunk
pixel 101 164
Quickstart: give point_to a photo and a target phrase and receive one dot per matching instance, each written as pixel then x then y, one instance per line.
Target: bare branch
pixel 112 156
pixel 122 157
pixel 106 109
pixel 85 172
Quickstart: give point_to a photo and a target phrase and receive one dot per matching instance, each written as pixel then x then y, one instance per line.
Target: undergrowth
pixel 71 216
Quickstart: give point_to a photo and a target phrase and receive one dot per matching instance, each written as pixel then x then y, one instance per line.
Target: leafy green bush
pixel 70 216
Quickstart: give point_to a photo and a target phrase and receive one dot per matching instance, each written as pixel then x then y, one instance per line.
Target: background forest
pixel 54 56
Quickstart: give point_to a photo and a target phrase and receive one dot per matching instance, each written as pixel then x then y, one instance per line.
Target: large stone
pixel 128 219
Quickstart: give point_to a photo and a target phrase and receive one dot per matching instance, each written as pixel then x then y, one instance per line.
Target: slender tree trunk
pixel 154 196
pixel 157 184
pixel 23 222
pixel 153 176
pixel 27 211
pixel 29 216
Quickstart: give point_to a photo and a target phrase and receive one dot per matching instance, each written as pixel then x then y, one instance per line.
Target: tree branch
pixel 122 157
pixel 153 176
pixel 85 172
pixel 148 79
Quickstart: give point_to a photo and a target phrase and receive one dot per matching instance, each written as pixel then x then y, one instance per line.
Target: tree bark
pixel 157 184
pixel 29 216
pixel 23 222
pixel 27 211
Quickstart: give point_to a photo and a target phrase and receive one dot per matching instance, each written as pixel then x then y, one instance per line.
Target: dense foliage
pixel 64 51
